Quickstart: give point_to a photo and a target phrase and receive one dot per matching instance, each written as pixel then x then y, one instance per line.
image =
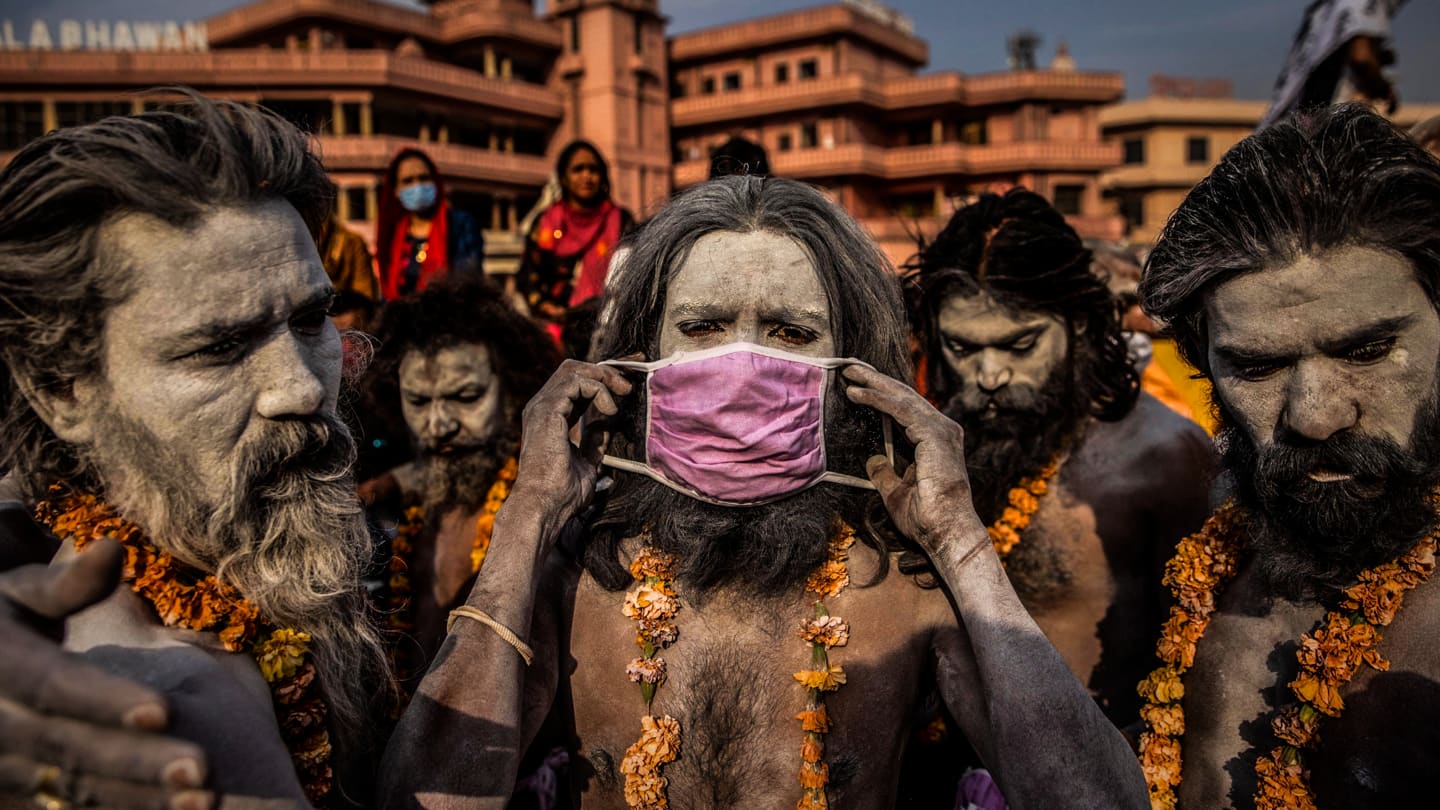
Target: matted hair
pixel 1316 181
pixel 57 287
pixel 1020 251
pixel 867 318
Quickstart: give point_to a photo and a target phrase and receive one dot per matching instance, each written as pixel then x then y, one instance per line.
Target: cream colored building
pixel 1167 145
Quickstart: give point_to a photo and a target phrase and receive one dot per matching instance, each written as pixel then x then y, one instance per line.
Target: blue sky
pixel 1242 40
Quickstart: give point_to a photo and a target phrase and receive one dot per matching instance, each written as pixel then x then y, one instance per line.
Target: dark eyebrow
pixel 1379 330
pixel 781 314
pixel 1015 336
pixel 319 298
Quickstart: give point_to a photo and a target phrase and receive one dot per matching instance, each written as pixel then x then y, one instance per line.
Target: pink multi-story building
pixel 834 95
pixel 493 90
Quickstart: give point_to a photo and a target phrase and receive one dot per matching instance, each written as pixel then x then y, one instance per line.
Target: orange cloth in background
pixel 1174 382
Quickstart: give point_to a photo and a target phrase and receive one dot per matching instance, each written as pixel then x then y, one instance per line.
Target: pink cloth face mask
pixel 737 425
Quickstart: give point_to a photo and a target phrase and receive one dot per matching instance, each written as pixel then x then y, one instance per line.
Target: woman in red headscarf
pixel 420 236
pixel 567 252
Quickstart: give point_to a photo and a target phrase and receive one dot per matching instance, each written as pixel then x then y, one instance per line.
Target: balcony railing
pixel 890 95
pixel 375 152
pixel 259 17
pixel 939 160
pixel 247 69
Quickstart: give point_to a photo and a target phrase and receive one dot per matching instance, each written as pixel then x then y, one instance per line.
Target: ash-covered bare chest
pixel 730 685
pixel 1380 751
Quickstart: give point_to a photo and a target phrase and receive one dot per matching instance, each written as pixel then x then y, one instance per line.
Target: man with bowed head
pixel 1299 667
pixel 1085 484
pixel 734 620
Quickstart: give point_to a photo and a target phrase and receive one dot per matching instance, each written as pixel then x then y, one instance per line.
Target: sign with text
pixel 103 35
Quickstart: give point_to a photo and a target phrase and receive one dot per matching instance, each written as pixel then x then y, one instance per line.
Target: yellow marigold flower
pixel 1162 798
pixel 812 800
pixel 824 680
pixel 281 655
pixel 1162 686
pixel 829 579
pixel 1282 786
pixel 652 562
pixel 811 749
pixel 1160 759
pixel 1165 719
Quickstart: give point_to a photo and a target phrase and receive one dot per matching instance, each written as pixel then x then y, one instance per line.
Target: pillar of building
pixel 367 118
pixel 443 134
pixel 489 61
pixel 372 200
pixel 337 117
pixel 48 119
pixel 617 97
pixel 507 68
pixel 342 206
pixel 937 131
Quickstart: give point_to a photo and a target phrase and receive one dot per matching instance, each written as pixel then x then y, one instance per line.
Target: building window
pixel 707 87
pixel 1134 151
pixel 20 123
pixel 809 136
pixel 1197 150
pixel 782 73
pixel 76 113
pixel 355 201
pixel 732 81
pixel 784 143
pixel 809 69
pixel 1132 208
pixel 974 133
pixel 574 34
pixel 677 88
pixel 639 35
pixel 1067 199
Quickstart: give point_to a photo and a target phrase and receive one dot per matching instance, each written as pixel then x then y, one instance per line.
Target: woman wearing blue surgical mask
pixel 420 235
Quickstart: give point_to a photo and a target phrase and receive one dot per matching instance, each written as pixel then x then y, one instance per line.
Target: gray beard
pixel 460 480
pixel 290 536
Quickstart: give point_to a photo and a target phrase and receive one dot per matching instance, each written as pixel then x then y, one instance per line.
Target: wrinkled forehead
pixel 750 270
pixel 979 316
pixel 1312 299
pixel 455 364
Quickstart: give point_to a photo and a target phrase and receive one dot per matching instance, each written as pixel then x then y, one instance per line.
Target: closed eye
pixel 698 328
pixel 225 350
pixel 1372 352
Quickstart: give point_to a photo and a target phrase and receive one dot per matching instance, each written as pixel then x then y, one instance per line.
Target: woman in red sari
pixel 567 252
pixel 420 235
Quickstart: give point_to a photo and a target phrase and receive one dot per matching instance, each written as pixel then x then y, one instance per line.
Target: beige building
pixel 834 95
pixel 1168 144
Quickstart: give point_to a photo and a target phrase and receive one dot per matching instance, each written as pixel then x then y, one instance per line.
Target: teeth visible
pixel 1329 476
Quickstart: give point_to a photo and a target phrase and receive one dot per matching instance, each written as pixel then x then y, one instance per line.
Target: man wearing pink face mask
pixel 747 612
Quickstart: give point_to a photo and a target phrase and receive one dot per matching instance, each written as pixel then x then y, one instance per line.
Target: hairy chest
pixel 730 685
pixel 1379 751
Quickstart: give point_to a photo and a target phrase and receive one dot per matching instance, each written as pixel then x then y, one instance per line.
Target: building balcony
pixel 245 71
pixel 256 19
pixel 373 154
pixel 1176 176
pixel 917 162
pixel 895 95
pixel 806 25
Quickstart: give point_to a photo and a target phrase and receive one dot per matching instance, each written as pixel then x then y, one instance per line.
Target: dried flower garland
pixel 822 632
pixel 1023 501
pixel 185 597
pixel 653 604
pixel 413 524
pixel 1328 656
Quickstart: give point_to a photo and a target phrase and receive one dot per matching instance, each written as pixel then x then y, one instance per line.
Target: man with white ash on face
pixel 733 621
pixel 456 364
pixel 1299 665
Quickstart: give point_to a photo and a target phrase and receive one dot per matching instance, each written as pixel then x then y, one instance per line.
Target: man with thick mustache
pixel 730 621
pixel 1300 665
pixel 456 364
pixel 1085 483
pixel 170 381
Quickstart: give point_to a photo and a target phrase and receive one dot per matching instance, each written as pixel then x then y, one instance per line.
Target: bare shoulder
pixel 218 698
pixel 1151 449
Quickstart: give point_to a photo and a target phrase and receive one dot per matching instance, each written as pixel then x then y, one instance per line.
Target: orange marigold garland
pixel 185 597
pixel 822 632
pixel 652 604
pixel 1024 499
pixel 412 524
pixel 1329 657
